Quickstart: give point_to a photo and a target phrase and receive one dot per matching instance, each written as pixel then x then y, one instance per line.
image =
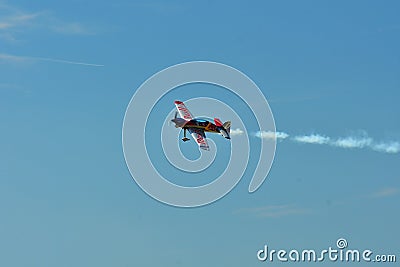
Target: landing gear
pixel 184 139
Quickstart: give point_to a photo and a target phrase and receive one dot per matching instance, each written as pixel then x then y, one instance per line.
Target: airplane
pixel 198 127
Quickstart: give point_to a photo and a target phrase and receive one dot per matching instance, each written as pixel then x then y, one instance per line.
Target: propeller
pixel 175 116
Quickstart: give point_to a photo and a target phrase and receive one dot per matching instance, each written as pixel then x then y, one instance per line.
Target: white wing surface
pixel 183 111
pixel 200 137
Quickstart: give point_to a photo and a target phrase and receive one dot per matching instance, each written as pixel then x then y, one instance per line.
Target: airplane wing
pixel 183 111
pixel 200 137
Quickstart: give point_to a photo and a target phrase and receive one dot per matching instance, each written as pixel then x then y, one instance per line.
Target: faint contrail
pixel 349 142
pixel 19 59
pixel 66 61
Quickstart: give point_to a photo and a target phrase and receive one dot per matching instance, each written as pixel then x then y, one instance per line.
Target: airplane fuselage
pixel 204 125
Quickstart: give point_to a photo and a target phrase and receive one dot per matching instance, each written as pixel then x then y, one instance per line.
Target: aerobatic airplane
pixel 198 127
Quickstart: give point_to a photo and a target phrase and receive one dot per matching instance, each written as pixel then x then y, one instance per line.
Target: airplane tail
pixel 225 128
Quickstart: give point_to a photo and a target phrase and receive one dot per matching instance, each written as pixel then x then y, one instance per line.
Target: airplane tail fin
pixel 227 126
pixel 218 122
pixel 225 129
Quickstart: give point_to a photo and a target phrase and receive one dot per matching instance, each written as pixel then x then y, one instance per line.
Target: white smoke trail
pixel 312 139
pixel 353 142
pixel 271 135
pixel 236 132
pixel 349 142
pixel 391 147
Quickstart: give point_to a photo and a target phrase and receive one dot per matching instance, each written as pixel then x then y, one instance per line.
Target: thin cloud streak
pixel 385 192
pixel 13 18
pixel 18 19
pixel 14 22
pixel 20 59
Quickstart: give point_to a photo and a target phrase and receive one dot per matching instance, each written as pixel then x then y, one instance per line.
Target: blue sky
pixel 66 197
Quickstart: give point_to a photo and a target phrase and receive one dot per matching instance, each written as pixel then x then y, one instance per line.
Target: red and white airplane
pixel 198 127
